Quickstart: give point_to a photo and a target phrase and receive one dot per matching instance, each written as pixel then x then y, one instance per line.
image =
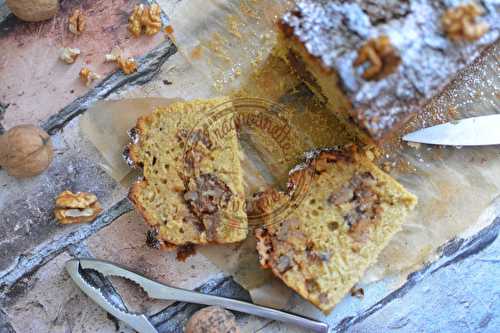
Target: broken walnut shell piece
pixel 381 55
pixel 78 207
pixel 76 22
pixel 460 23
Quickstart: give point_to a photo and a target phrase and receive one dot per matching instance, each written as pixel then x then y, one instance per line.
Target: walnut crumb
pixel 76 208
pixel 145 19
pixel 460 23
pixel 68 54
pixel 127 65
pixel 383 58
pixel 77 22
pixel 87 76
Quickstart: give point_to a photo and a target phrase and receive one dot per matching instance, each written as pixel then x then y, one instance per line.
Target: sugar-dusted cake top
pixel 334 31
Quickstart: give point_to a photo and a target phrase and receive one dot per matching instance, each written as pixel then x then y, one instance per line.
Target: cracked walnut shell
pixel 25 151
pixel 76 22
pixel 145 19
pixel 382 57
pixel 76 208
pixel 460 23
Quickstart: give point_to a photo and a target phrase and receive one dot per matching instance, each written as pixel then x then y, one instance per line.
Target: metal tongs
pixel 156 290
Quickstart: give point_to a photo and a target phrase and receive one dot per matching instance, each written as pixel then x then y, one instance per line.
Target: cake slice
pixel 349 212
pixel 192 186
pixel 377 63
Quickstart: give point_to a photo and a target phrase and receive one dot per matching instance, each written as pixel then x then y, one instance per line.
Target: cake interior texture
pixel 350 211
pixel 192 186
pixel 321 40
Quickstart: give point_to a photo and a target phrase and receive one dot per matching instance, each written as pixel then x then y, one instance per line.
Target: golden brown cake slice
pixel 347 216
pixel 377 63
pixel 192 190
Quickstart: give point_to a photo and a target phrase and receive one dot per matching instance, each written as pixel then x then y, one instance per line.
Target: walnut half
pixel 382 57
pixel 460 23
pixel 76 22
pixel 76 208
pixel 145 19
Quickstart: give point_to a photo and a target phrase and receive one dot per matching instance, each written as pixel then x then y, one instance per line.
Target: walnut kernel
pixel 77 22
pixel 87 76
pixel 68 54
pixel 25 151
pixel 76 208
pixel 382 57
pixel 460 23
pixel 145 19
pixel 127 65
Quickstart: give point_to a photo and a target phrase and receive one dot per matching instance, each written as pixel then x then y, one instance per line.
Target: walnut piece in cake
pixel 76 207
pixel 383 58
pixel 348 215
pixel 461 22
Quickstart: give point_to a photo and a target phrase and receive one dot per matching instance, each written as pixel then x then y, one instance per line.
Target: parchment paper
pixel 229 45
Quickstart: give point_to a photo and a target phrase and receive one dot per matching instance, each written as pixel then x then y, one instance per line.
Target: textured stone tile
pixel 49 301
pixel 124 242
pixel 26 206
pixel 35 83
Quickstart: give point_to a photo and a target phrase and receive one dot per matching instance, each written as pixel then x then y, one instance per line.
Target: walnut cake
pixel 377 63
pixel 350 212
pixel 192 187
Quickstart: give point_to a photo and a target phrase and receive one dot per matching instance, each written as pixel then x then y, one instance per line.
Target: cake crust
pixel 328 34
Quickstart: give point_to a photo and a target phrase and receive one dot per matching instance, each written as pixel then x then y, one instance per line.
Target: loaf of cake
pixel 378 62
pixel 349 212
pixel 192 187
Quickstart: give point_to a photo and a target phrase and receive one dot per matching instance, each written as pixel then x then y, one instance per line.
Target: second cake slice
pixel 192 191
pixel 347 215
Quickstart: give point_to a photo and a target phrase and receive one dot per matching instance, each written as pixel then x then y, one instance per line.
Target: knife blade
pixel 475 131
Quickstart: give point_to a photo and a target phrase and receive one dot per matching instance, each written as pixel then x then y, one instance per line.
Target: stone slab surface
pixel 35 84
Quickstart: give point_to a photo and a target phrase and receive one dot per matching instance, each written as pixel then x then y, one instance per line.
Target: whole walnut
pixel 25 151
pixel 212 319
pixel 33 10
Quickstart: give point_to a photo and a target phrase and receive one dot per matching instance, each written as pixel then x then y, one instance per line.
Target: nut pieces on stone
pixel 76 208
pixel 87 76
pixel 33 10
pixel 127 65
pixel 25 151
pixel 382 57
pixel 68 54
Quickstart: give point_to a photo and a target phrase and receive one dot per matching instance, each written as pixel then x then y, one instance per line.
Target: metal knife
pixel 475 131
pixel 156 290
